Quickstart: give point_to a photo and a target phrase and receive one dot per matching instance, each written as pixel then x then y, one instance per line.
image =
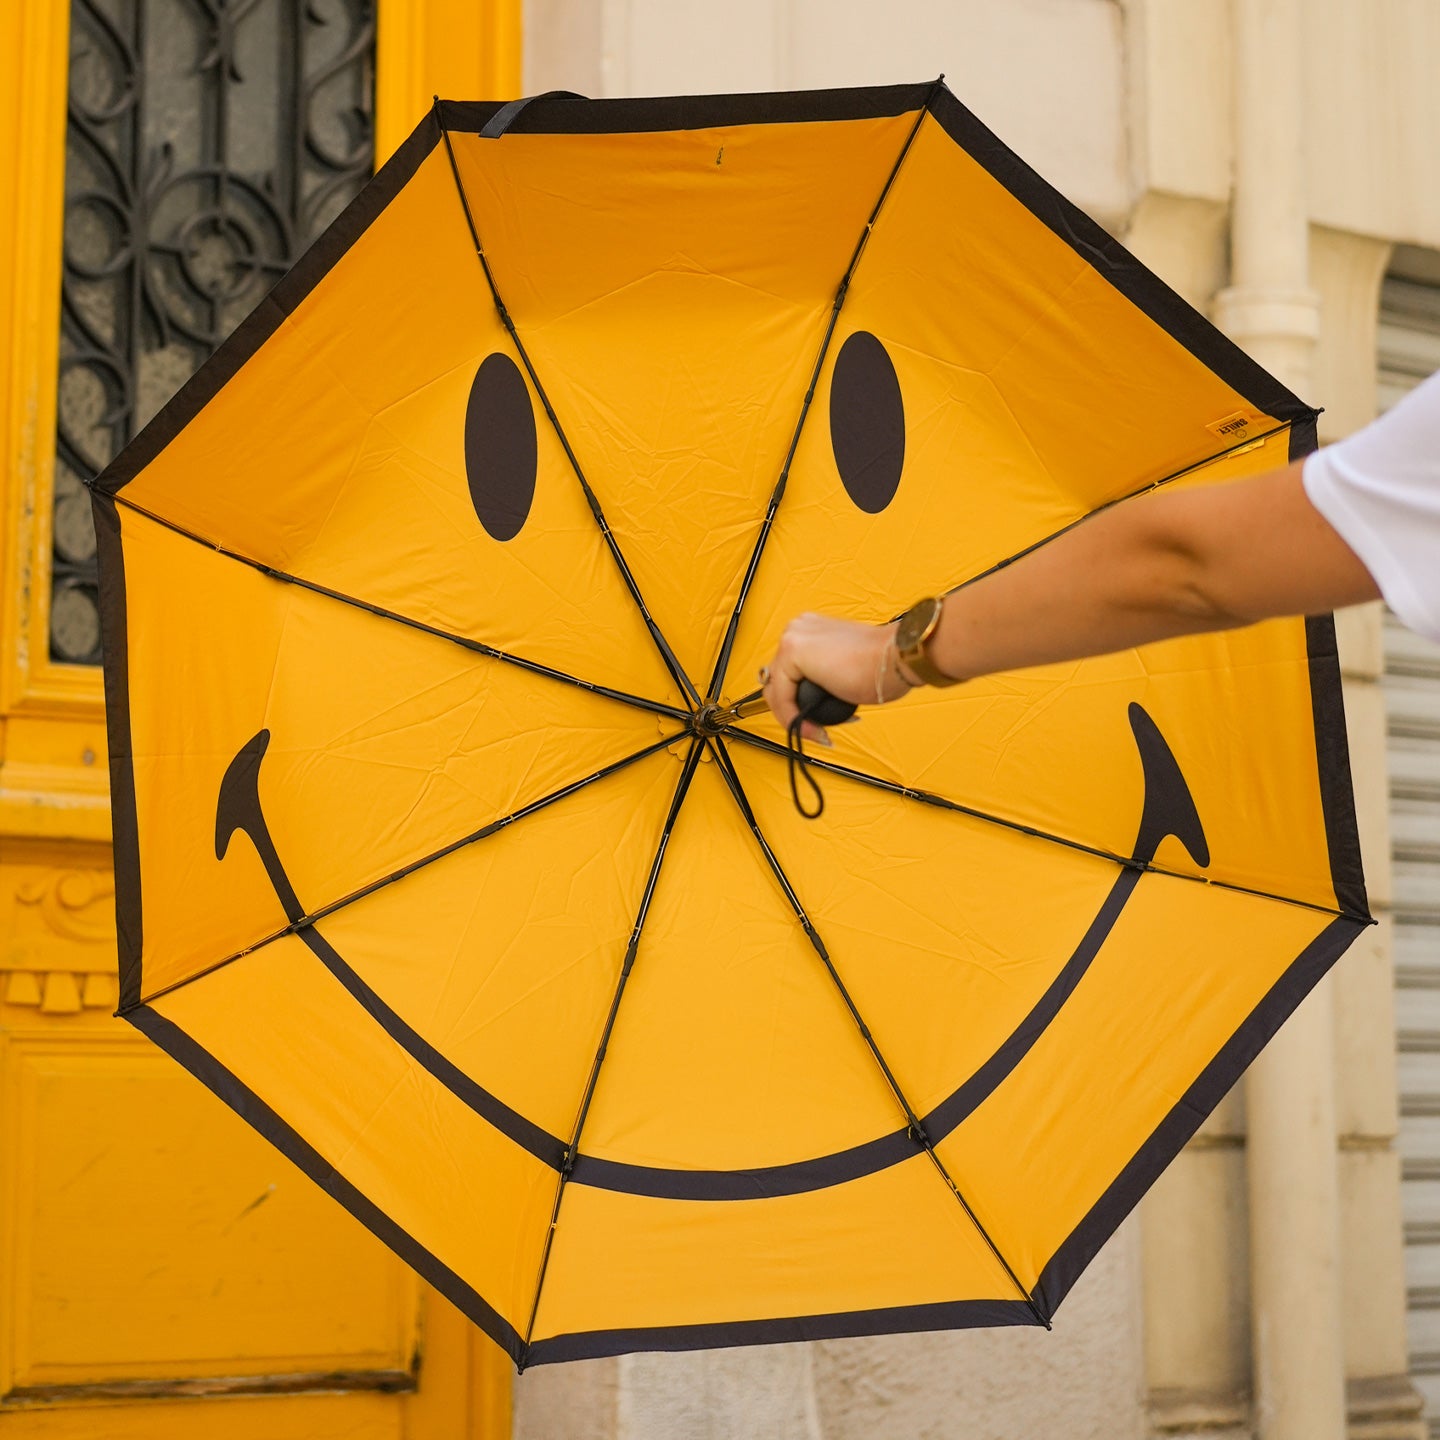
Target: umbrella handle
pixel 820 707
pixel 814 704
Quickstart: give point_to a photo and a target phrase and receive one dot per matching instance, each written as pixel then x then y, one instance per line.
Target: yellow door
pixel 163 1271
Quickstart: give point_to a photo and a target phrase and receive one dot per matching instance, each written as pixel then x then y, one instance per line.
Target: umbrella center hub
pixel 709 719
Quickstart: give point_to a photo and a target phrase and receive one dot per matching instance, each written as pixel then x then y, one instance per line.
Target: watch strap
pixel 919 664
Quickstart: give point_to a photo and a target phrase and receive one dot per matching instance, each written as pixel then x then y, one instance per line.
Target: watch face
pixel 916 623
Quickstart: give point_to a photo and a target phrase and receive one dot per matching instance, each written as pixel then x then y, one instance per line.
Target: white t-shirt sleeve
pixel 1380 489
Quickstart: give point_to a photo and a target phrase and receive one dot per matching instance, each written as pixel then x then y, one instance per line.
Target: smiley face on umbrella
pixel 431 584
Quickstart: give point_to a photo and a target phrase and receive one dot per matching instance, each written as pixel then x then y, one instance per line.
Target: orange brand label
pixel 1235 428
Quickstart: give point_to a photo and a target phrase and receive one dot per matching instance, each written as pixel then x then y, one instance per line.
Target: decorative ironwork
pixel 209 142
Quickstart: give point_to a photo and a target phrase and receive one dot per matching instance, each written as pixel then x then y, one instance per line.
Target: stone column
pixel 1269 307
pixel 1296 1336
pixel 1297 1346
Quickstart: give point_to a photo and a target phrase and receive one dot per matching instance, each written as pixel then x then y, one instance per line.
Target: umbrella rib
pixel 478 647
pixel 1135 494
pixel 313 917
pixel 722 660
pixel 1128 862
pixel 914 1124
pixel 672 664
pixel 632 947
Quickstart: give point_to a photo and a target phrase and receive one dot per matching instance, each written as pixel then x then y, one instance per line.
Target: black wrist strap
pixel 799 770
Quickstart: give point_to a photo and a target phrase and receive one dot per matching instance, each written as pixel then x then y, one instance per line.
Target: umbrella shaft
pixel 710 719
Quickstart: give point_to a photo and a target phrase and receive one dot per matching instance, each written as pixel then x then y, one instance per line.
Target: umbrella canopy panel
pixel 431 864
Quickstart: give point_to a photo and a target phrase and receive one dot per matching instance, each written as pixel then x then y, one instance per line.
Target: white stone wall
pixel 1048 75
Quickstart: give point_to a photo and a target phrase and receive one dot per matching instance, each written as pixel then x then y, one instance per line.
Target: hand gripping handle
pixel 820 707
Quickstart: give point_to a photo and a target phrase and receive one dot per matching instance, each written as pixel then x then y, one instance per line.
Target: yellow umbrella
pixel 439 858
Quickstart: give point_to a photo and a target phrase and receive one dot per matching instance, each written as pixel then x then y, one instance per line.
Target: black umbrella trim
pixel 1106 256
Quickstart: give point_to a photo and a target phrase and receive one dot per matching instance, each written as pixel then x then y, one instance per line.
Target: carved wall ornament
pixel 58 950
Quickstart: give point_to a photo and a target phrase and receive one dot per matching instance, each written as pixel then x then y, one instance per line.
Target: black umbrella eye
pixel 500 449
pixel 867 422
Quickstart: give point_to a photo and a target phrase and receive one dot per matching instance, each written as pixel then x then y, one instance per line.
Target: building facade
pixel 162 1272
pixel 1275 161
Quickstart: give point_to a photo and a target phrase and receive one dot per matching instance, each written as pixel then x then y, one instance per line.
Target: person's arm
pixel 1171 563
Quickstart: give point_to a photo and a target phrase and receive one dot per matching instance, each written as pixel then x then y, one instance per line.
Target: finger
pixel 785 677
pixel 780 696
pixel 770 687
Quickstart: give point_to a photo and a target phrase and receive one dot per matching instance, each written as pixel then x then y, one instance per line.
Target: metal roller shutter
pixel 1409 350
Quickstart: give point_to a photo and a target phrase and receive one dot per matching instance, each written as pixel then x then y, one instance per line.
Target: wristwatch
pixel 914 628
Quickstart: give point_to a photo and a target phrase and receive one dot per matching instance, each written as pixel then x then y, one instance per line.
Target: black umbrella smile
pixel 1167 810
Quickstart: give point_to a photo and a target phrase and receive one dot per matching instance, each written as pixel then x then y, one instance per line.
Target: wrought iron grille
pixel 208 143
